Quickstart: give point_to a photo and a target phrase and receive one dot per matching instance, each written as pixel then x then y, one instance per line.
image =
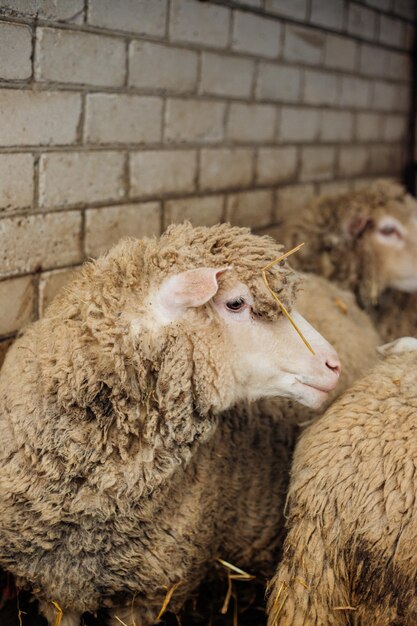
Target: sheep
pixel 349 556
pixel 123 467
pixel 365 241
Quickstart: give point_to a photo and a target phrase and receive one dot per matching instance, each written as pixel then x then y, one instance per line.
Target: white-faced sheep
pixel 119 477
pixel 349 556
pixel 365 241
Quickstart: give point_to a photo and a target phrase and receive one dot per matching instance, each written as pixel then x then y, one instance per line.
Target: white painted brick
pixel 77 57
pixel 226 76
pixel 278 82
pixel 105 226
pixel 50 284
pixel 252 3
pixel 194 120
pixel 292 199
pixel 16 176
pixel 361 21
pixel 385 160
pixel 295 8
pixel 202 24
pixel 340 52
pixel 391 31
pixel 382 5
pixel 353 160
pixel 335 188
pixel 395 127
pixel 162 171
pixel 329 14
pixel 336 126
pixel 303 44
pixel 276 165
pixel 251 122
pixel 38 118
pixel 154 66
pixel 256 35
pixel 39 242
pixel 299 124
pixel 224 168
pixel 372 60
pixel 205 211
pixel 317 163
pixel 406 8
pixel 56 10
pixel 15 51
pixel 409 37
pixel 320 87
pixel 368 127
pixel 250 208
pixel 145 17
pixel 68 178
pixel 385 96
pixel 398 66
pixel 123 119
pixel 356 92
pixel 19 294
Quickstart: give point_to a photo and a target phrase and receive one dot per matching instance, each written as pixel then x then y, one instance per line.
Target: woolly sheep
pixel 366 241
pixel 349 556
pixel 118 476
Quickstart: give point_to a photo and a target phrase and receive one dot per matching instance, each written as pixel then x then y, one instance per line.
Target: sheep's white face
pixel 264 358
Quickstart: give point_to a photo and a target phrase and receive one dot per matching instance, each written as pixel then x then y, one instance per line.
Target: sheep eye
pixel 390 231
pixel 235 305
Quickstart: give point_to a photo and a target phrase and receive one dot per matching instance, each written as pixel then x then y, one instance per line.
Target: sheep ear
pixel 356 225
pixel 192 288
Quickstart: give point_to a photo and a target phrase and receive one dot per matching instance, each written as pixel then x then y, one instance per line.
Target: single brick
pixel 153 66
pixel 317 163
pixel 15 51
pixel 202 24
pixel 205 211
pixel 391 31
pixel 252 3
pixel 19 294
pixel 385 96
pixel 278 82
pixel 16 175
pixel 372 60
pixel 386 159
pixel 368 127
pixel 194 120
pixel 299 124
pixel 356 92
pixel 361 21
pixel 292 199
pixel 38 117
pixel 162 171
pixel 250 208
pixel 406 8
pixel 329 14
pixel 256 35
pixel 296 8
pixel 336 126
pixel 123 118
pixel 398 65
pixel 353 160
pixel 340 52
pixel 224 168
pixel 76 177
pixel 226 76
pixel 58 10
pixel 105 226
pixel 381 5
pixel 395 127
pixel 321 87
pixel 50 284
pixel 145 17
pixel 37 242
pixel 251 122
pixel 335 188
pixel 276 165
pixel 4 347
pixel 77 57
pixel 303 44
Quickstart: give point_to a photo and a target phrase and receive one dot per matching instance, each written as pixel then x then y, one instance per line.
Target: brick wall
pixel 119 117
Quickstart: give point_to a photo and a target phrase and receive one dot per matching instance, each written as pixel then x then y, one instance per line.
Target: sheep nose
pixel 334 365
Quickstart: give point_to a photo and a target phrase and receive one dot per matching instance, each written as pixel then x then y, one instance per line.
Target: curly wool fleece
pixel 116 476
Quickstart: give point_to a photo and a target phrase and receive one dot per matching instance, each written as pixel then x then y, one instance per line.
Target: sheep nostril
pixel 334 365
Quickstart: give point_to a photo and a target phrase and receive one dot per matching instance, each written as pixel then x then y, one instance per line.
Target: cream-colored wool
pixel 341 245
pixel 349 556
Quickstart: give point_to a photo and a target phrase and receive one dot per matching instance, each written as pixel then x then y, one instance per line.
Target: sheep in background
pixel 119 477
pixel 349 556
pixel 365 241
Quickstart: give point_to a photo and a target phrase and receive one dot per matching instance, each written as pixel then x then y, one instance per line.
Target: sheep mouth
pixel 322 388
